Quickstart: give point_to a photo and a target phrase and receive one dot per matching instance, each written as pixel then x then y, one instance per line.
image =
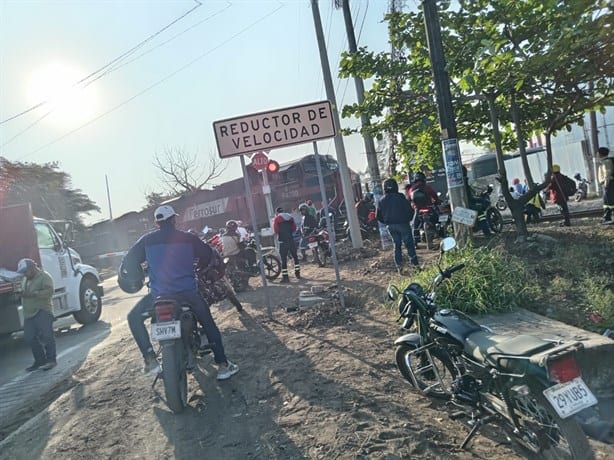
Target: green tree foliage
pixel 46 188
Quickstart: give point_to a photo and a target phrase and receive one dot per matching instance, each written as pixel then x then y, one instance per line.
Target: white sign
pixel 212 208
pixel 464 216
pixel 274 129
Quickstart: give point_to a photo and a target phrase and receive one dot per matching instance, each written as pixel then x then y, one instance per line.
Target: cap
pixel 556 168
pixel 164 212
pixel 280 209
pixel 24 264
pixel 603 151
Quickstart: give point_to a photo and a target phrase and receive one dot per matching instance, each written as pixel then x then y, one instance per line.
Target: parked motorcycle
pixel 175 327
pixel 319 244
pixel 368 230
pixel 582 189
pixel 531 386
pixel 493 216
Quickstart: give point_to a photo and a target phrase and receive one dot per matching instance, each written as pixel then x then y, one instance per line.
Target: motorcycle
pixel 368 230
pixel 531 386
pixel 501 203
pixel 429 220
pixel 175 327
pixel 214 286
pixel 318 242
pixel 445 218
pixel 582 191
pixel 493 216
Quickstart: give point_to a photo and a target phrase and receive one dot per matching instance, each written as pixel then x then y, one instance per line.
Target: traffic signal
pixel 272 167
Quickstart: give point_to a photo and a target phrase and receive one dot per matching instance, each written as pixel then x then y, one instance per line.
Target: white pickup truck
pixel 77 286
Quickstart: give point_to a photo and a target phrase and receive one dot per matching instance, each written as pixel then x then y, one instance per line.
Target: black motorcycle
pixel 175 327
pixel 493 216
pixel 531 386
pixel 214 286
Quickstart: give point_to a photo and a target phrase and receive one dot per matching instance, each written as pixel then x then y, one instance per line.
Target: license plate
pixel 313 245
pixel 443 219
pixel 166 331
pixel 570 397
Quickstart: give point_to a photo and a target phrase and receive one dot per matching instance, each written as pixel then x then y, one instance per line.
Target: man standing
pixel 558 195
pixel 606 178
pixel 396 213
pixel 284 226
pixel 36 300
pixel 170 255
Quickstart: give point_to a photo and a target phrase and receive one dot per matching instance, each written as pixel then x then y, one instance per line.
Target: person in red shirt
pixel 423 199
pixel 284 226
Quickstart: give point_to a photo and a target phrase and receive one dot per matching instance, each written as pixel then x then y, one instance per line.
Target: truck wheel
pixel 91 304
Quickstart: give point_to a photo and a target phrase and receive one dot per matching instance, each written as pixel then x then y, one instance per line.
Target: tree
pixel 181 172
pixel 516 68
pixel 46 188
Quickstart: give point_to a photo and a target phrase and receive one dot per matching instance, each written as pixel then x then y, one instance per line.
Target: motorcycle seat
pixel 488 347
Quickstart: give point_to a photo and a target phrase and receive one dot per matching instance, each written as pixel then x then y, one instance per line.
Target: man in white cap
pixel 36 300
pixel 170 256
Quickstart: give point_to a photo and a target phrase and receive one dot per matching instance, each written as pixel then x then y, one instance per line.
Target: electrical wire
pixel 113 69
pixel 157 83
pixel 117 59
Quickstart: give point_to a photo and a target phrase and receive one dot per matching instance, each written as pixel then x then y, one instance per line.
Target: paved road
pixel 74 343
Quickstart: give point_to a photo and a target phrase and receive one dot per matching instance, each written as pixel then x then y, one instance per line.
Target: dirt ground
pixel 318 383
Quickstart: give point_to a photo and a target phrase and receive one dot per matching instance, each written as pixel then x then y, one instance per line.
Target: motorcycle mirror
pixel 206 229
pixel 447 244
pixel 392 292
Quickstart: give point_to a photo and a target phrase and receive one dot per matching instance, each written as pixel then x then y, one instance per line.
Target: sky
pixel 204 63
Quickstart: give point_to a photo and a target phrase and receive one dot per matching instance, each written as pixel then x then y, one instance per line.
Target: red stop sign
pixel 259 161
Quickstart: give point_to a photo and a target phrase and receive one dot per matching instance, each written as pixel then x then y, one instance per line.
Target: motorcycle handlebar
pixel 453 269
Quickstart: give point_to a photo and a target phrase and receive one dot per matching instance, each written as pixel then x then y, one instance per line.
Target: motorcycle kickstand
pixel 158 376
pixel 478 424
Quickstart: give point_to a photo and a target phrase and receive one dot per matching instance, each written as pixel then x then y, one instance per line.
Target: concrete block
pixel 306 299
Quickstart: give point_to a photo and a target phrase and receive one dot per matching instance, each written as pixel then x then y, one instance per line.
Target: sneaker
pixel 285 279
pixel 298 275
pixel 152 366
pixel 414 261
pixel 227 370
pixel 34 366
pixel 400 270
pixel 49 365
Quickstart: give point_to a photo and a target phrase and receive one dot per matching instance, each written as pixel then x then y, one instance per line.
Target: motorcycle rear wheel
pixel 272 266
pixel 417 371
pixel 316 257
pixel 544 432
pixel 494 219
pixel 175 376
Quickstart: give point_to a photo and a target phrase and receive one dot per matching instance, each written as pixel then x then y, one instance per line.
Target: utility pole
pixel 344 172
pixel 373 167
pixel 447 122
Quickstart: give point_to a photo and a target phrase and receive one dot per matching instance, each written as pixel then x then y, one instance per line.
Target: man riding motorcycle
pixel 423 199
pixel 234 248
pixel 364 208
pixel 308 225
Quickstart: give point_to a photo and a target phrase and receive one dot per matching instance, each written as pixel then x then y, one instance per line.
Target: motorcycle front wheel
pixel 175 376
pixel 272 266
pixel 543 432
pixel 431 372
pixel 494 219
pixel 578 196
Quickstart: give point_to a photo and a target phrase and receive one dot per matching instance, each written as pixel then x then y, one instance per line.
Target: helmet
pixel 130 280
pixel 577 176
pixel 390 186
pixel 309 202
pixel 556 169
pixel 516 181
pixel 303 207
pixel 420 176
pixel 232 225
pixel 163 213
pixel 369 196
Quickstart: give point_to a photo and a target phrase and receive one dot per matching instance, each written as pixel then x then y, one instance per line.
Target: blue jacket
pixel 170 256
pixel 394 208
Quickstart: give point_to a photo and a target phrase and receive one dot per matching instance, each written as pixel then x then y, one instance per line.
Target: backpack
pixel 420 198
pixel 568 185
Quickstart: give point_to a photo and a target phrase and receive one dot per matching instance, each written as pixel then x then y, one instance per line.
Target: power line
pixel 119 58
pixel 113 69
pixel 157 83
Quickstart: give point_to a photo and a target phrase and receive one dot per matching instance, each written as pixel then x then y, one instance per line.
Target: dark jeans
pixel 141 311
pixel 38 333
pixel 402 234
pixel 562 205
pixel 288 248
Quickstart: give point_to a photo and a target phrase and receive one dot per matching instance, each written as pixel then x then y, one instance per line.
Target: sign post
pixel 273 129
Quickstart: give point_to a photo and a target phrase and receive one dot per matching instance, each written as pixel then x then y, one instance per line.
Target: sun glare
pixel 56 85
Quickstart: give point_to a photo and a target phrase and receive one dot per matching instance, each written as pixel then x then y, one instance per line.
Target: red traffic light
pixel 272 166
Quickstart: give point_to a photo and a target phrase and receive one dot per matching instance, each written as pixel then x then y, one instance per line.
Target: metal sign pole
pixel 331 228
pixel 252 213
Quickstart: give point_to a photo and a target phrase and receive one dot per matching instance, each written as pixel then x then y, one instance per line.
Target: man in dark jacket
pixel 395 212
pixel 284 226
pixel 170 255
pixel 558 195
pixel 606 178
